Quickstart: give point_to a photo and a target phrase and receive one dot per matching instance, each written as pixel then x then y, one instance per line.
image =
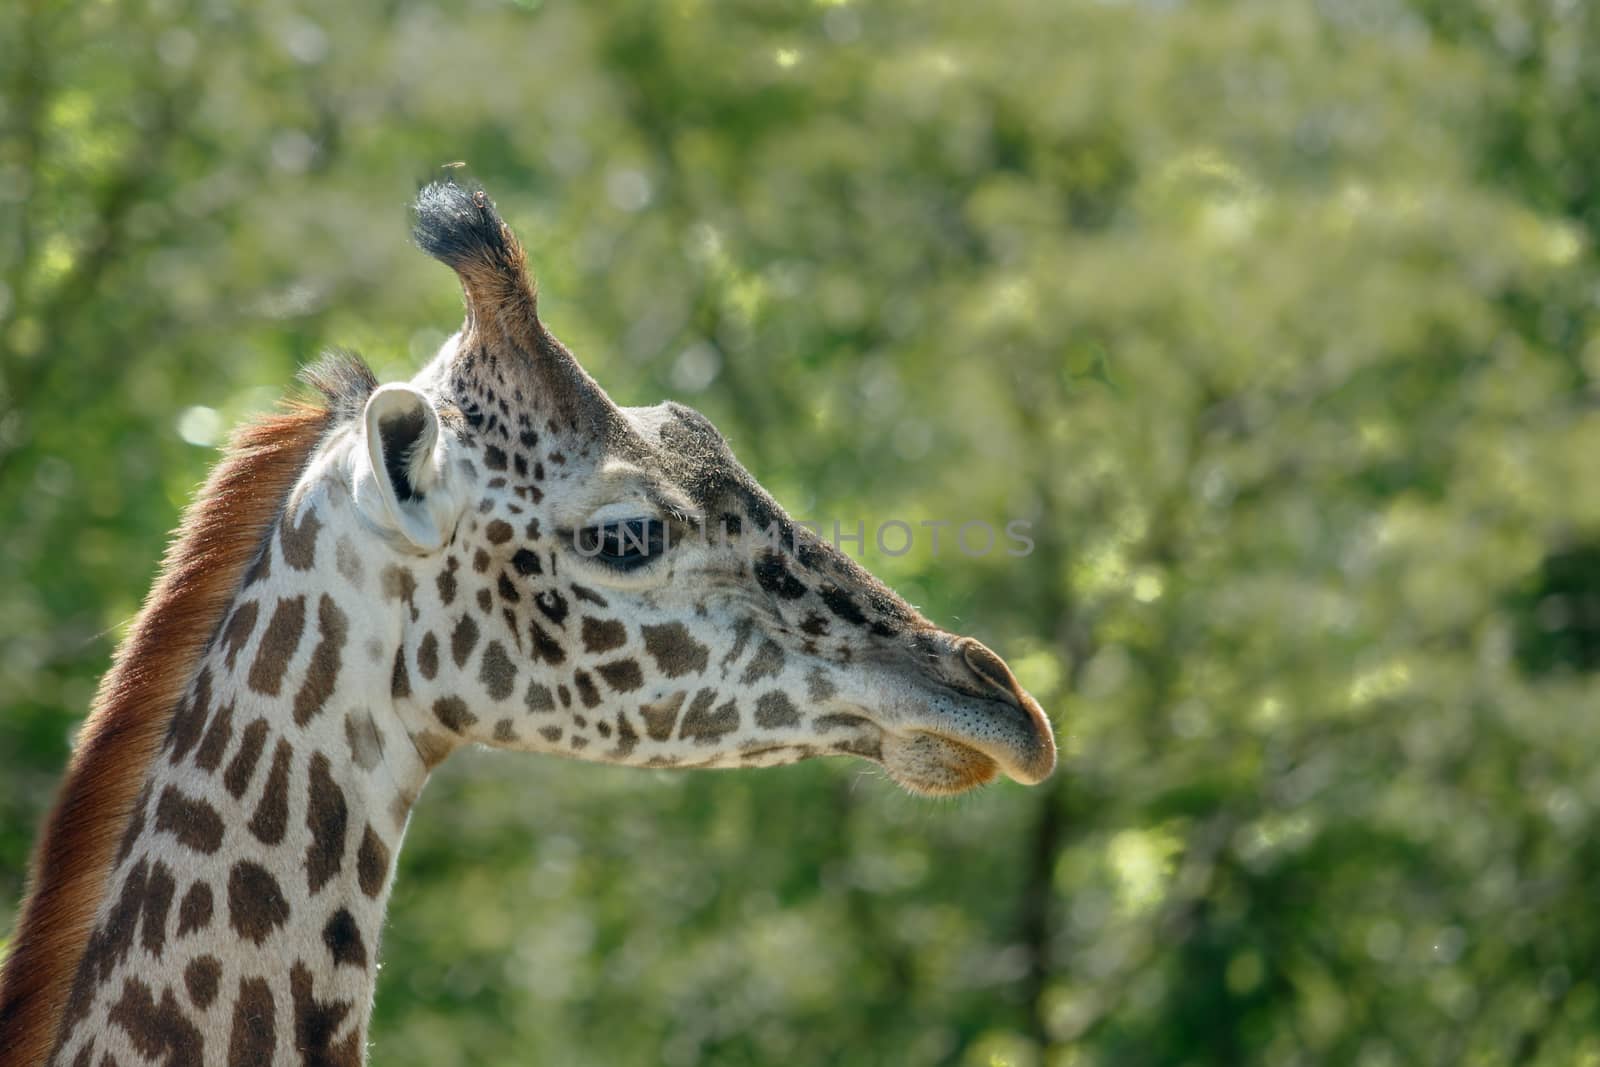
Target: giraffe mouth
pixel 952 747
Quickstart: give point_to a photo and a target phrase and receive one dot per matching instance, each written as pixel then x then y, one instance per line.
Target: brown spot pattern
pixel 775 711
pixel 445 582
pixel 256 905
pixel 157 904
pixel 819 686
pixel 840 603
pixel 194 911
pixel 372 862
pixel 243 765
pixel 254 1032
pixel 774 577
pixel 544 646
pixel 766 663
pixel 463 640
pixel 157 1031
pixel 189 719
pixel 108 946
pixel 627 737
pixel 272 812
pixel 326 816
pixel 400 584
pixel 602 635
pixel 399 678
pixel 192 820
pixel 452 713
pixel 662 716
pixel 342 937
pixel 498 673
pixel 200 978
pixel 236 634
pixel 215 742
pixel 278 644
pixel 538 699
pixel 674 651
pixel 623 675
pixel 332 630
pixel 299 542
pixel 586 689
pixel 428 656
pixel 705 726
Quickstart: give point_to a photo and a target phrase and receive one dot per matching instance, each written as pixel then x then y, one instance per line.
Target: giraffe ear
pixel 401 486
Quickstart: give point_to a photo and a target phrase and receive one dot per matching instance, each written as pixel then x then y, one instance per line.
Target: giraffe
pixel 491 553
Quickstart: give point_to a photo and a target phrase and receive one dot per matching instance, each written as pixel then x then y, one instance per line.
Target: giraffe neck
pixel 242 913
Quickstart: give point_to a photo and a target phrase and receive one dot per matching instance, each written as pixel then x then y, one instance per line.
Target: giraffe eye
pixel 624 545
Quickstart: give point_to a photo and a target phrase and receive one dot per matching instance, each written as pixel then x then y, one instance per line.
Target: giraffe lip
pixel 949 747
pixel 939 740
pixel 1009 737
pixel 1025 768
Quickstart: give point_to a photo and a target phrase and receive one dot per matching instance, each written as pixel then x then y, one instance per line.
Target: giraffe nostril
pixel 998 719
pixel 988 666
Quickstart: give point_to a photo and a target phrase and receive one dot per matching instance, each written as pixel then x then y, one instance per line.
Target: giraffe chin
pixel 931 765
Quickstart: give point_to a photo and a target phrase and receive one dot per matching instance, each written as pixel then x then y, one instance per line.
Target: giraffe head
pixel 609 583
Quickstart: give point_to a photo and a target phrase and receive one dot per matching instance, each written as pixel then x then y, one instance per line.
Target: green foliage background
pixel 1279 319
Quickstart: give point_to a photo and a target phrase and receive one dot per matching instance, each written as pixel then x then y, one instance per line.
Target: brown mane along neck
pixel 220 535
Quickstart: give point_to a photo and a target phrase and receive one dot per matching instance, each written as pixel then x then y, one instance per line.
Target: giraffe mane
pixel 220 535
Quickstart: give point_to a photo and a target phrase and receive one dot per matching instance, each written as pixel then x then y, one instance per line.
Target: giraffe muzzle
pixel 974 723
pixel 1027 753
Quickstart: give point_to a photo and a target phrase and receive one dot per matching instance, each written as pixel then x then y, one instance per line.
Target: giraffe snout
pixel 974 721
pixel 1035 758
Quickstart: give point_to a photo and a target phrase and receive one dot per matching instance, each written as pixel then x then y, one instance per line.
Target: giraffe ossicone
pixel 491 553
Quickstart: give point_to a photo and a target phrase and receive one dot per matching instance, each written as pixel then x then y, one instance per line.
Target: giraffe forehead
pixel 667 453
pixel 691 451
pixel 665 457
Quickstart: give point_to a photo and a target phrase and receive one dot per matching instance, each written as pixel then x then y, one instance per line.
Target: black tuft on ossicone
pixel 459 226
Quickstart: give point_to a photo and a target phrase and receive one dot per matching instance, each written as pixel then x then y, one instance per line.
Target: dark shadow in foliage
pixel 1557 613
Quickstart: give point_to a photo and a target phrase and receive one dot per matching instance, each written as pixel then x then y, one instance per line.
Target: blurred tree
pixel 1275 318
